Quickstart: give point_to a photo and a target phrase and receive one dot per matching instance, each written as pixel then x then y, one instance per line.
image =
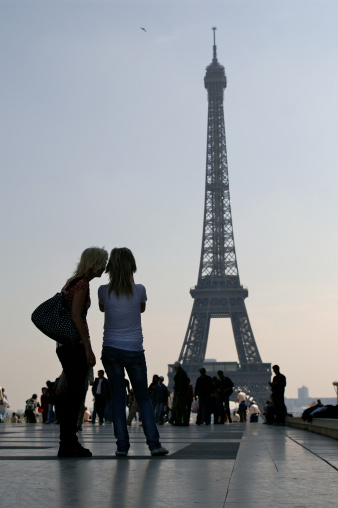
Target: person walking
pixel 101 393
pixel 278 385
pixel 122 302
pixel 160 399
pixel 78 358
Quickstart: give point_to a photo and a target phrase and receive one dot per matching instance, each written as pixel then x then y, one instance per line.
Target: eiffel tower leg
pixel 196 338
pixel 244 339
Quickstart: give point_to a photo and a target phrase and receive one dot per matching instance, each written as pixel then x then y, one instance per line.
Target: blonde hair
pixel 92 260
pixel 121 267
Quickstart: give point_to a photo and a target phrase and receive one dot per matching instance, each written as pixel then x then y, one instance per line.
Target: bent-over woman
pixel 122 302
pixel 77 359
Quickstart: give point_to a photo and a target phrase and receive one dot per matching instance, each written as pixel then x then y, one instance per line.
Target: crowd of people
pixel 209 398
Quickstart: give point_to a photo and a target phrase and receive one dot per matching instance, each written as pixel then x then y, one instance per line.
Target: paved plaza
pixel 232 466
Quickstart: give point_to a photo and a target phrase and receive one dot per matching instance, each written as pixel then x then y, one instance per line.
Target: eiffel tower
pixel 219 293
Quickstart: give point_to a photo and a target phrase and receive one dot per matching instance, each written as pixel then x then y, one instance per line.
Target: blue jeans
pixel 159 410
pixel 115 361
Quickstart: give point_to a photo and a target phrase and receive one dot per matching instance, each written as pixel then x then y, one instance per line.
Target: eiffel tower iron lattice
pixel 218 293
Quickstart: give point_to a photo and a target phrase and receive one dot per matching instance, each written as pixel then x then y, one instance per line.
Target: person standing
pixel 44 404
pixel 203 390
pixel 181 384
pixel 278 385
pixel 101 393
pixel 242 405
pixel 160 399
pixel 76 359
pixel 225 388
pixel 122 302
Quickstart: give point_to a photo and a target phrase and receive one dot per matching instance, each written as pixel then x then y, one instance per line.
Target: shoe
pixel 74 452
pixel 158 452
pixel 121 454
pixel 101 422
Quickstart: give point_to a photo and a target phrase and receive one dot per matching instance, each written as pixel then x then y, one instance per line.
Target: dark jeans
pixel 115 361
pixel 74 363
pixel 100 404
pixel 30 415
pixel 279 408
pixel 223 410
pixel 181 407
pixel 204 406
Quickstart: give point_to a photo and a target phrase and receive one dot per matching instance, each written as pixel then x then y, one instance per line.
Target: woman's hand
pixel 91 360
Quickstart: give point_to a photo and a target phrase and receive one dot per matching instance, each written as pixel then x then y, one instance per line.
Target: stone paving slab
pixel 228 466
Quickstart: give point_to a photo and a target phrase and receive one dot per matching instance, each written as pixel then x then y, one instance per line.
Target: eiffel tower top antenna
pixel 214 47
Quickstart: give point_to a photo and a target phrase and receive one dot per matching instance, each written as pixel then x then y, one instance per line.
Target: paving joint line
pixel 313 453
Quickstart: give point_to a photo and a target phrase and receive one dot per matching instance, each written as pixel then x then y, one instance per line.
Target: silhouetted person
pixel 278 385
pixel 182 382
pixel 225 388
pixel 203 390
pixel 101 393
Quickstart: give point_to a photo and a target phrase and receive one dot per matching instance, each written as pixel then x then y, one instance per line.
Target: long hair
pixel 121 267
pixel 92 260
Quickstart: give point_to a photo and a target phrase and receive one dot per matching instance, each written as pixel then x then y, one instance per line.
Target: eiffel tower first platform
pixel 218 293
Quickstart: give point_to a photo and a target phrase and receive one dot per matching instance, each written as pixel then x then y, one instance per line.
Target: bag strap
pixel 75 281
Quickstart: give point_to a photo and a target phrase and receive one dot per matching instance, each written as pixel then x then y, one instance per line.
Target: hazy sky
pixel 104 141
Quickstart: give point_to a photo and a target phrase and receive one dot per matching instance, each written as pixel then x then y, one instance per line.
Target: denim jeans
pixel 159 410
pixel 115 361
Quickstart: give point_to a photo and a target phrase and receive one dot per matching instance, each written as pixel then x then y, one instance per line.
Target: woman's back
pixel 122 325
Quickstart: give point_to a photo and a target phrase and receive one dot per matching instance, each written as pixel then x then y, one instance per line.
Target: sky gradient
pixel 104 143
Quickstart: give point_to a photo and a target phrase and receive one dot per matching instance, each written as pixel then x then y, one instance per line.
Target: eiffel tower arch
pixel 219 293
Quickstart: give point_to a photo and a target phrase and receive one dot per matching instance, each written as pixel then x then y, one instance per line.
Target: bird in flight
pixel 143 28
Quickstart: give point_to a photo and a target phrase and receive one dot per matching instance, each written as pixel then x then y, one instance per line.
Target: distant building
pixel 303 394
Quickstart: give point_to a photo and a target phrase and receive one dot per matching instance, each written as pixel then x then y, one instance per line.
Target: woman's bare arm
pixel 77 306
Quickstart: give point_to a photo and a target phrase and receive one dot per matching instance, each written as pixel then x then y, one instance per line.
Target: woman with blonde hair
pixel 77 359
pixel 122 302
